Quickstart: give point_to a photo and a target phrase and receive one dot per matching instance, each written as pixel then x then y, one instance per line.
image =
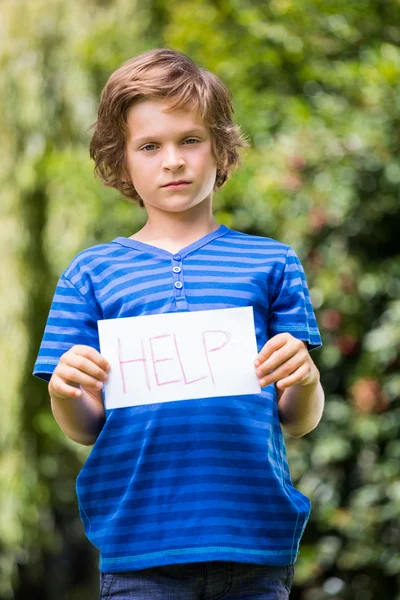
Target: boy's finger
pixel 279 361
pixel 270 347
pixel 64 390
pixel 73 376
pixel 87 366
pixel 293 378
pixel 269 376
pixel 280 355
pixel 93 355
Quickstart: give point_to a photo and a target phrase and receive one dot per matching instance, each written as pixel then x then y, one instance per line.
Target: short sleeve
pixel 291 309
pixel 72 320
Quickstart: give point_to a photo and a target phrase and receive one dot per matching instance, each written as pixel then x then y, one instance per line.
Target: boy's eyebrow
pixel 146 138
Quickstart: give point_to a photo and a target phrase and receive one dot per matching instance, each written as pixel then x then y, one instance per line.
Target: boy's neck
pixel 175 231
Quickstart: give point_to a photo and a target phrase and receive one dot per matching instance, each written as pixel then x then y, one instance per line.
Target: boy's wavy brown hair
pixel 172 77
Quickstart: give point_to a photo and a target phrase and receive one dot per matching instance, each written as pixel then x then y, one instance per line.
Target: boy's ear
pixel 124 176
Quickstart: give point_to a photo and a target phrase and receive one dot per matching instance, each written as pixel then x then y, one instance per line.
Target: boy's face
pixel 169 157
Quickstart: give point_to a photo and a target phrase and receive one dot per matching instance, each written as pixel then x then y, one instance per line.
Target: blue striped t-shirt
pixel 193 480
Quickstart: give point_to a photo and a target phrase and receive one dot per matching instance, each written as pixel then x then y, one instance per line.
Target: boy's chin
pixel 177 205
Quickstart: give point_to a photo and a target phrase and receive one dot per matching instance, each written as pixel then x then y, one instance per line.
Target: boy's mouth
pixel 176 184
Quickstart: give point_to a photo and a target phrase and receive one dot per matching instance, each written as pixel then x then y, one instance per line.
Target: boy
pixel 188 499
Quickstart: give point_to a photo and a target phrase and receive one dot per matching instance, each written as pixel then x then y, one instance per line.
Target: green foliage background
pixel 316 87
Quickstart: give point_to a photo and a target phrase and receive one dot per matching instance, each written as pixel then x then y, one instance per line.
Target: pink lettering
pixel 208 350
pixel 158 360
pixel 183 370
pixel 124 362
pixel 212 341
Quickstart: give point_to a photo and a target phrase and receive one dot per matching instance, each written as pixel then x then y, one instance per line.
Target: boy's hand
pixel 80 366
pixel 285 360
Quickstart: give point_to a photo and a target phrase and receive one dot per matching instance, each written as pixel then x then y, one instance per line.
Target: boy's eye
pixel 151 147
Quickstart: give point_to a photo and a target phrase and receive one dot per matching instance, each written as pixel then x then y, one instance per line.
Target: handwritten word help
pixel 156 356
pixel 179 356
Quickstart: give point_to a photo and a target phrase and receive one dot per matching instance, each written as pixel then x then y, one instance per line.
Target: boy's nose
pixel 172 160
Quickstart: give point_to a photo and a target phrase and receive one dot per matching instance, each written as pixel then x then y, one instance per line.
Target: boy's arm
pixel 285 361
pixel 300 407
pixel 81 419
pixel 75 392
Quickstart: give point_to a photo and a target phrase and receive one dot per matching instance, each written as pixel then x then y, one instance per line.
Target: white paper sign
pixel 179 356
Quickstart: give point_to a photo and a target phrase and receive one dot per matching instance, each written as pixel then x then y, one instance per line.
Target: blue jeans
pixel 200 581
